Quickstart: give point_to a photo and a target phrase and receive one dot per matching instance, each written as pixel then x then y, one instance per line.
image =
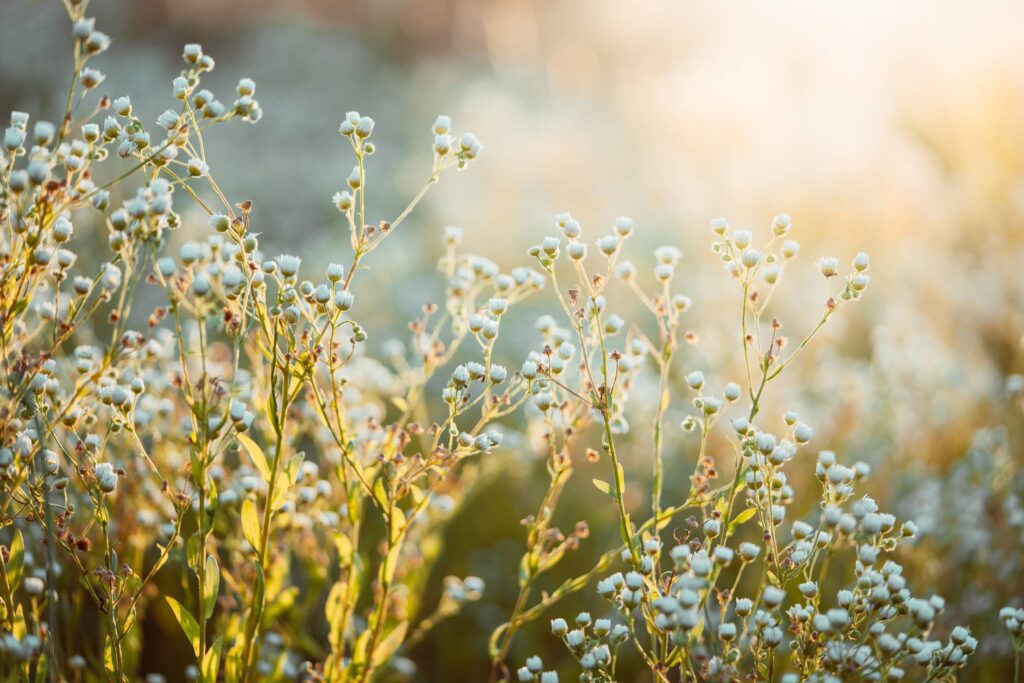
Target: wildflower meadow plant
pixel 246 458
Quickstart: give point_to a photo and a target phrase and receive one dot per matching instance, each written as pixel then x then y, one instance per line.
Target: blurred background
pixel 893 128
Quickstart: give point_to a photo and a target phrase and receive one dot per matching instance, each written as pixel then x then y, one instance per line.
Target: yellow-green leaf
pixel 211 661
pixel 602 486
pixel 416 493
pixel 391 561
pixel 187 621
pixel 397 524
pixel 256 455
pixel 16 561
pixel 260 594
pixel 379 494
pixel 334 610
pixel 344 546
pixel 250 524
pixel 390 644
pixel 212 586
pixel 741 518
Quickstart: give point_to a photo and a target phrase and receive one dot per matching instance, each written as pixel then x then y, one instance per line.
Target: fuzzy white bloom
pixel 106 477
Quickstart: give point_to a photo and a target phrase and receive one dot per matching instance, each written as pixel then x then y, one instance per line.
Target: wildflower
pixel 750 258
pixel 667 255
pixel 355 179
pixel 97 42
pixel 192 53
pixel 288 264
pixel 608 245
pixel 624 226
pixel 828 266
pixel 106 477
pixel 343 201
pixel 122 106
pixel 197 167
pixel 802 433
pixel 90 78
pixel 82 28
pixel 781 225
pixel 13 139
pixel 772 597
pixel 498 374
pixel 470 146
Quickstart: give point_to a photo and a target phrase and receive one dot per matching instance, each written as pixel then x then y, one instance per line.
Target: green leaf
pixel 259 595
pixel 416 493
pixel 602 486
pixel 16 561
pixel 397 524
pixel 212 586
pixel 335 609
pixel 294 466
pixel 211 661
pixel 197 466
pixel 721 505
pixel 256 454
pixel 741 518
pixel 108 659
pixel 359 651
pixel 344 546
pixel 251 524
pixel 187 621
pixel 379 494
pixel 390 644
pixel 280 494
pixel 161 559
pixel 391 561
pixel 192 549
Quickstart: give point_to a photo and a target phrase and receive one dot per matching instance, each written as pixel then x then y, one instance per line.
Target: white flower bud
pixel 624 226
pixel 197 167
pixel 344 299
pixel 802 433
pixel 781 225
pixel 667 255
pixel 772 597
pixel 106 477
pixel 750 258
pixel 577 251
pixel 609 244
pixel 442 125
pixel 828 266
pixel 742 239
